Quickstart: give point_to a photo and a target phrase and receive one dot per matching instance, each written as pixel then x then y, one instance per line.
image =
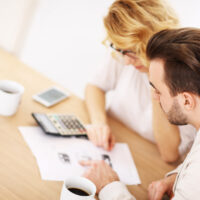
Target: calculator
pixel 60 124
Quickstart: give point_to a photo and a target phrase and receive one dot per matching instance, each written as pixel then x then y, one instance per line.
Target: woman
pixel 129 25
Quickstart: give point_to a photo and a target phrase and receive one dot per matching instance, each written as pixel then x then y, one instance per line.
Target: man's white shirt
pixel 186 186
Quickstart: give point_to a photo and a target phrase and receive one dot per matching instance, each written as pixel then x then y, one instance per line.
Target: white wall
pixel 64 41
pixel 188 11
pixel 15 16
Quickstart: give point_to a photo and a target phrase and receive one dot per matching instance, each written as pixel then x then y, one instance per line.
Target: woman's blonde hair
pixel 130 23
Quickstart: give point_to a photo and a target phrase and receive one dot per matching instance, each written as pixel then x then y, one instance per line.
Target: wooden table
pixel 19 175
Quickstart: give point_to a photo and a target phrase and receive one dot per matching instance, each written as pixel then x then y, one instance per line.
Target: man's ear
pixel 187 100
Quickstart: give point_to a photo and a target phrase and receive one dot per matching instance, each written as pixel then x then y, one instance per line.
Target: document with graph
pixel 59 157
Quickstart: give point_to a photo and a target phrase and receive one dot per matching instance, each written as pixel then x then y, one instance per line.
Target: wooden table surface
pixel 19 174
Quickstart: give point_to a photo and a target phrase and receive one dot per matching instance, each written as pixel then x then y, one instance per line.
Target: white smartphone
pixel 50 96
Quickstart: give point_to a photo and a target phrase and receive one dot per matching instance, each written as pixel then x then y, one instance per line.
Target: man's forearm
pixel 115 191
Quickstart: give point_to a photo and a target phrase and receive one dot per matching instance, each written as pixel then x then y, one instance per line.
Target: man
pixel 175 78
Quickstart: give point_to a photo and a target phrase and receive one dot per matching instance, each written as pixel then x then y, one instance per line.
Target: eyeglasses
pixel 124 52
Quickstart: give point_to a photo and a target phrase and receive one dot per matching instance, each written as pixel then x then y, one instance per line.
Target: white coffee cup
pixel 81 183
pixel 10 96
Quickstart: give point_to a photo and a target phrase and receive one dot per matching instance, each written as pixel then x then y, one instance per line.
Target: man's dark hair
pixel 180 51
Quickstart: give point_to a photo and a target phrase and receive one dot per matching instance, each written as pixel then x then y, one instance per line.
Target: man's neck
pixel 196 120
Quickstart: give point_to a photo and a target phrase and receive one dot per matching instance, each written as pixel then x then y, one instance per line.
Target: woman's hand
pixel 101 135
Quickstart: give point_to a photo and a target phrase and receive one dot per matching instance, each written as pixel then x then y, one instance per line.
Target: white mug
pixel 10 96
pixel 80 183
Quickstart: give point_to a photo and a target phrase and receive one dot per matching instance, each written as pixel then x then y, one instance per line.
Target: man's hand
pixel 157 189
pixel 100 135
pixel 99 173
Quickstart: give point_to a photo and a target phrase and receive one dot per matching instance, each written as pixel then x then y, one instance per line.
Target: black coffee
pixel 78 191
pixel 7 91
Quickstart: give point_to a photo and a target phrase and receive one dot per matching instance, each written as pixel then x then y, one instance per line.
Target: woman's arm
pixel 95 101
pixel 167 136
pixel 99 131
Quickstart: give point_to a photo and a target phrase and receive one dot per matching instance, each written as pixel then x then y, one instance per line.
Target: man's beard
pixel 175 115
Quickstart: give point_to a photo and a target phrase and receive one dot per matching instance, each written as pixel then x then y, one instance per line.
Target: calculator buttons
pixel 67 124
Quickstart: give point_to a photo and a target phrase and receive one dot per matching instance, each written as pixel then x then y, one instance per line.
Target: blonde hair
pixel 130 23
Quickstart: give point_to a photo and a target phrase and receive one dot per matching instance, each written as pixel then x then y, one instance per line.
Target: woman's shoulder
pixel 114 61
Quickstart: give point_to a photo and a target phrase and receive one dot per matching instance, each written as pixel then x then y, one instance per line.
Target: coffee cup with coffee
pixel 78 188
pixel 10 96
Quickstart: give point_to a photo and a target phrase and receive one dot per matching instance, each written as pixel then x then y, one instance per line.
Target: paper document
pixel 58 157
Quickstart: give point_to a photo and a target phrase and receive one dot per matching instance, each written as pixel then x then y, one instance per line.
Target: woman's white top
pixel 129 99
